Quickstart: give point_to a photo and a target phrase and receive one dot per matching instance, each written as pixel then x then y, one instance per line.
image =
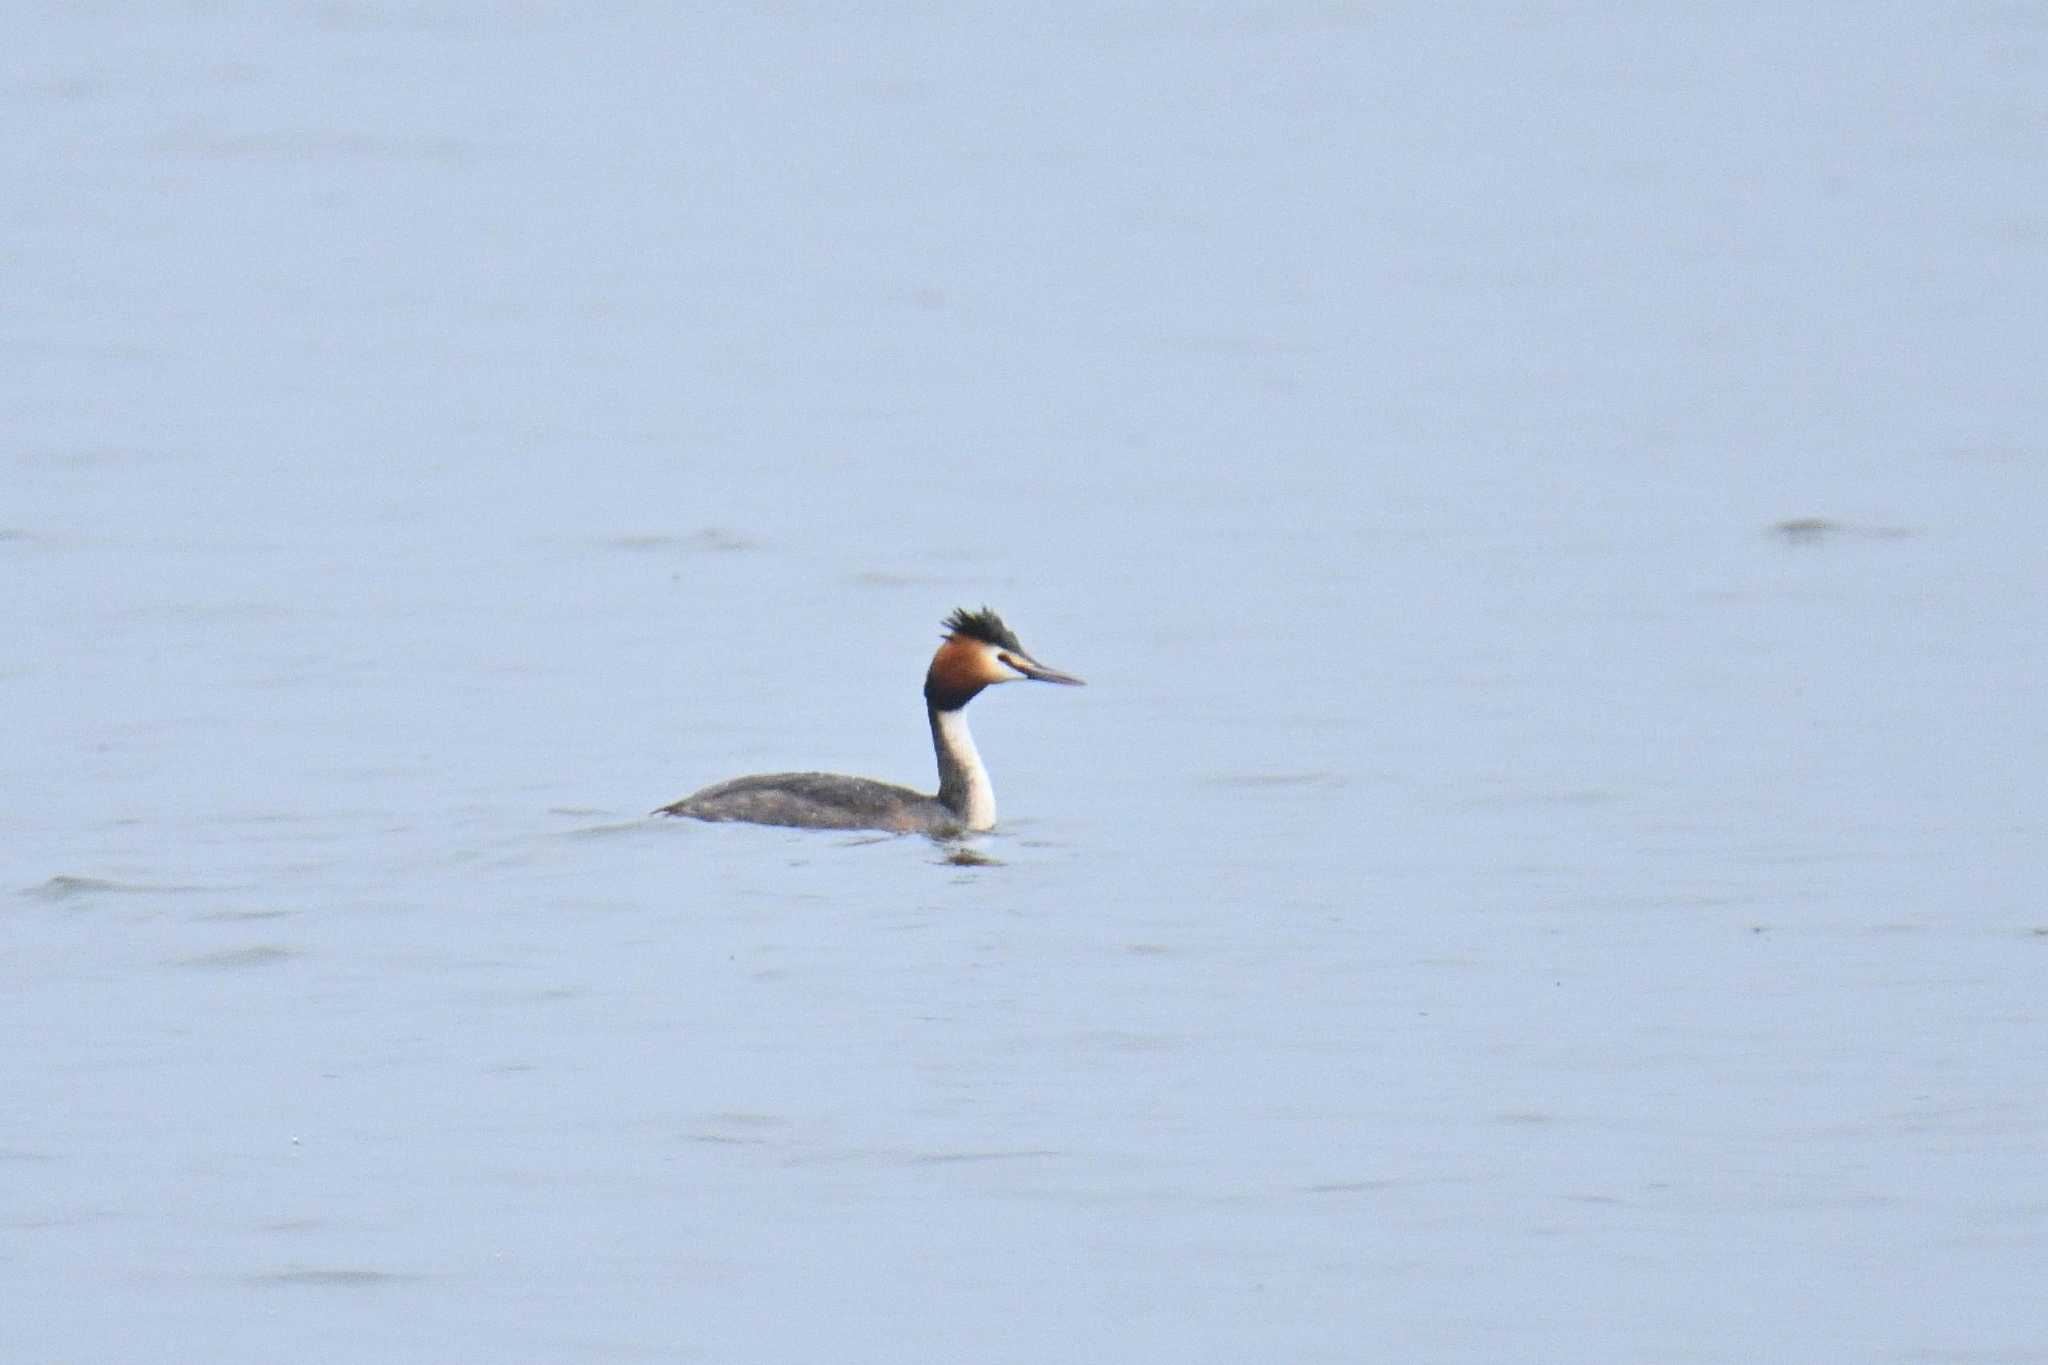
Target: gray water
pixel 1548 501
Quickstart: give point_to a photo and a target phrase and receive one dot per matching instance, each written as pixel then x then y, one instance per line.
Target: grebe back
pixel 978 651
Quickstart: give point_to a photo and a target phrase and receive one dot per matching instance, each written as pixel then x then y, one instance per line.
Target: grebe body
pixel 979 651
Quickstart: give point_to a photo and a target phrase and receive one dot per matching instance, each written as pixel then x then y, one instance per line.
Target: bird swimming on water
pixel 978 651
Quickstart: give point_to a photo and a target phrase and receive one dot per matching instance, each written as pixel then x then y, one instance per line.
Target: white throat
pixel 963 782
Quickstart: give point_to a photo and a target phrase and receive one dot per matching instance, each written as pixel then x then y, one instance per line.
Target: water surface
pixel 1547 866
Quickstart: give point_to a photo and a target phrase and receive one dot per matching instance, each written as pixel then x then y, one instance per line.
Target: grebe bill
pixel 979 651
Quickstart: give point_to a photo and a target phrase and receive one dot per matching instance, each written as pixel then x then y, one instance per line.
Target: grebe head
pixel 979 652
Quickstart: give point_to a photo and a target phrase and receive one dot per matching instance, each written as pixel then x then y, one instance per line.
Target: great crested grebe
pixel 979 650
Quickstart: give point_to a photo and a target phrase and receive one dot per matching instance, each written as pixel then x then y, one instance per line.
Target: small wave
pixel 335 1277
pixel 64 887
pixel 705 540
pixel 1819 530
pixel 1316 779
pixel 235 959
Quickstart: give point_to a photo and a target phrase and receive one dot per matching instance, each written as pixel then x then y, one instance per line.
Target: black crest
pixel 983 625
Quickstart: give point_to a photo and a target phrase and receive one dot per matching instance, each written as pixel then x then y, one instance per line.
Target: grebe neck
pixel 964 787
